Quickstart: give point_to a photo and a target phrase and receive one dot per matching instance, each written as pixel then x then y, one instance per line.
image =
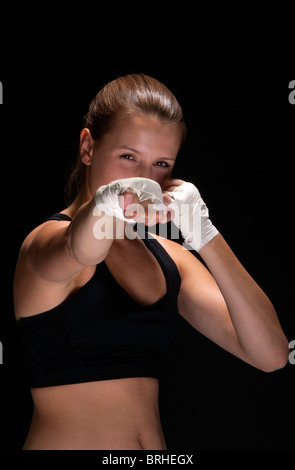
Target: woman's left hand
pixel 189 213
pixel 171 184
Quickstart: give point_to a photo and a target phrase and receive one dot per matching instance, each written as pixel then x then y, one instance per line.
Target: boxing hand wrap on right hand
pixel 107 196
pixel 191 216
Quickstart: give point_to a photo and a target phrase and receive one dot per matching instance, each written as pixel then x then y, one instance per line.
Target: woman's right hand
pixel 134 200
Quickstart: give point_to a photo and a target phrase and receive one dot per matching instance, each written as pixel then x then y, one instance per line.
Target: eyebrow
pixel 126 147
pixel 130 148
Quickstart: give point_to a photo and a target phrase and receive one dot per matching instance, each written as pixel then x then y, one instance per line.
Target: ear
pixel 86 146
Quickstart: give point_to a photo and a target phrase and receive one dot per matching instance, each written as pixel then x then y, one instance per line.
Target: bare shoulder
pixel 38 243
pixel 44 269
pixel 43 232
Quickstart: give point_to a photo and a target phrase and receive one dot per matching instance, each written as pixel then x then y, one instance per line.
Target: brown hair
pixel 135 93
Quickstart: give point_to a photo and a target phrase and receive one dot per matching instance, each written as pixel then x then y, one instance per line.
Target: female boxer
pixel 97 301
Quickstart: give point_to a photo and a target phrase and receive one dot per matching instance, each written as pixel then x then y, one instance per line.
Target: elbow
pixel 277 362
pixel 274 366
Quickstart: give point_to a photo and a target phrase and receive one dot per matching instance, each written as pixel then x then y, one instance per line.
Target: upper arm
pixel 201 302
pixel 45 251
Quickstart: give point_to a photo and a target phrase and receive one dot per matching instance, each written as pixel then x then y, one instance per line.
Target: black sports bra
pixel 100 332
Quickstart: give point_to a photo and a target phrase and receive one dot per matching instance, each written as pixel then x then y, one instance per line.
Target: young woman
pixel 96 303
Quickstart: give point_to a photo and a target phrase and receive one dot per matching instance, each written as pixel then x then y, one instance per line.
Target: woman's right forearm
pixel 90 234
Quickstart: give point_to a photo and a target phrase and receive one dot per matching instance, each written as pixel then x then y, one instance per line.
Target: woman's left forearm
pixel 253 315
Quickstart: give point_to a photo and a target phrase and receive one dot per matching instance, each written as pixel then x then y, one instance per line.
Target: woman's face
pixel 136 146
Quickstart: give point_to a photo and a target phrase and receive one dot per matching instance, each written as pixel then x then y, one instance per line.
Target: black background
pixel 239 152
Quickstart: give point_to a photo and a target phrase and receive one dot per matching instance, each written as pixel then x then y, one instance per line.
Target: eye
pixel 127 157
pixel 162 164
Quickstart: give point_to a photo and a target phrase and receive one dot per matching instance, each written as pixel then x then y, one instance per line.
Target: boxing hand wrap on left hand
pixel 191 216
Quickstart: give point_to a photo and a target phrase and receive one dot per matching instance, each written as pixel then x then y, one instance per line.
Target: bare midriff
pixel 113 414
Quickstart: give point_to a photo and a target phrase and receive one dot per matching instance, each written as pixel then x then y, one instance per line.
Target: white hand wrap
pixel 191 216
pixel 107 196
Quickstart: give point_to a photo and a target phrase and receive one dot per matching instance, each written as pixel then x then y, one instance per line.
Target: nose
pixel 146 172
